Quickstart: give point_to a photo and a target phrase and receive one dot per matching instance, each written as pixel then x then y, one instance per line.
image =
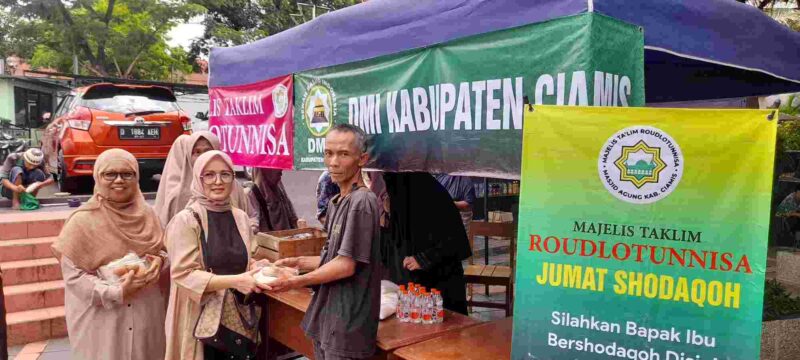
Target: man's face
pixel 29 166
pixel 343 158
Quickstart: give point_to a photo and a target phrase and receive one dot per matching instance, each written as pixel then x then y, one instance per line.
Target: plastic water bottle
pixel 416 308
pixel 407 306
pixel 398 311
pixel 428 310
pixel 434 309
pixel 439 306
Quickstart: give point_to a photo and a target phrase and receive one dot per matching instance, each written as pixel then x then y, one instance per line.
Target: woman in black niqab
pixel 425 224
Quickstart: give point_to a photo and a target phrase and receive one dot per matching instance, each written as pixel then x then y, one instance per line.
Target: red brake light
pixel 80 118
pixel 84 165
pixel 186 123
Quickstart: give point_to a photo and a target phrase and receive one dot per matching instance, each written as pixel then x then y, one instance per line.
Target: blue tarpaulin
pixel 699 49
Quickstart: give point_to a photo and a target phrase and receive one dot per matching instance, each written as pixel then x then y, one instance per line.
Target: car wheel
pixel 65 183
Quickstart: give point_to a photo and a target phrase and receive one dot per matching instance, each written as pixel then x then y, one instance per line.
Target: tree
pixel 17 37
pixel 122 38
pixel 786 12
pixel 237 22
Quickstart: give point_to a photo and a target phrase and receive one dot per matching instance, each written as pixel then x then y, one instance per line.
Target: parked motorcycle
pixel 9 145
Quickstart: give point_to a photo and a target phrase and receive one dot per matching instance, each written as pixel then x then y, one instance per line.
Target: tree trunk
pixel 82 44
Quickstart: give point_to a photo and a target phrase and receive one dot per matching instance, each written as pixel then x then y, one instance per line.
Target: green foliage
pixel 792 105
pixel 778 303
pixel 789 131
pixel 120 38
pixel 788 138
pixel 789 135
pixel 236 22
pixel 16 35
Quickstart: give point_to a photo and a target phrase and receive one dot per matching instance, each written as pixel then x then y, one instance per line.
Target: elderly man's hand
pixel 286 284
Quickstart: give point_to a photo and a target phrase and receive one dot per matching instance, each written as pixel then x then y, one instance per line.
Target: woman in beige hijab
pixel 227 248
pixel 105 319
pixel 174 191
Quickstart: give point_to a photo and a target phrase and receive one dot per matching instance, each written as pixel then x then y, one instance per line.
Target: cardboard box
pixel 276 245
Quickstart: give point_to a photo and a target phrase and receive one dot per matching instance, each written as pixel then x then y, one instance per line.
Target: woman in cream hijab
pixel 174 189
pixel 227 248
pixel 105 319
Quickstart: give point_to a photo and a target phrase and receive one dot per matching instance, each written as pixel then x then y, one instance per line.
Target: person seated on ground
pixel 269 199
pixel 19 171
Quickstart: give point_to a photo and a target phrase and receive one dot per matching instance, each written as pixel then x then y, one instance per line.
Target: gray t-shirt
pixel 343 315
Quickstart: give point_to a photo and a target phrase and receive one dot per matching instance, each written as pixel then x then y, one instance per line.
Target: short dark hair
pixel 360 135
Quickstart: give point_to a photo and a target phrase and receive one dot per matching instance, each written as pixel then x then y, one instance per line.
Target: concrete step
pixel 26 249
pixel 30 271
pixel 36 325
pixel 28 225
pixel 34 296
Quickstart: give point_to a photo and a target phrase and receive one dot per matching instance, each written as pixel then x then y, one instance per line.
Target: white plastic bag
pixel 130 261
pixel 270 273
pixel 389 299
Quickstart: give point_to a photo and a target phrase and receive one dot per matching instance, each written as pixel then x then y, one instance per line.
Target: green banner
pixel 457 107
pixel 642 233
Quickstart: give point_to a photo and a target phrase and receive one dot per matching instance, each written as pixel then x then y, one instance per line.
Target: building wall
pixel 7 99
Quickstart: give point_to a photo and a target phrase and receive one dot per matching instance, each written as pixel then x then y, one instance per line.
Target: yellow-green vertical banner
pixel 643 233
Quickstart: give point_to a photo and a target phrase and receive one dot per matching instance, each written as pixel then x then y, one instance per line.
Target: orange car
pixel 143 120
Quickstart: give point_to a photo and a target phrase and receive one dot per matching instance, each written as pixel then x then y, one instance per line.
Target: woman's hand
pixel 245 283
pixel 130 286
pixel 411 263
pixel 153 273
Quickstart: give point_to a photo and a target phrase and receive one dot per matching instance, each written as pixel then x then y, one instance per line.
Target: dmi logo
pixel 319 107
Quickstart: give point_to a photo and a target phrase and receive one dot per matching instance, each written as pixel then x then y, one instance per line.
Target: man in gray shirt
pixel 342 319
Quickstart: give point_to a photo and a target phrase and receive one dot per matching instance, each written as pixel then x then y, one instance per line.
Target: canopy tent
pixel 704 49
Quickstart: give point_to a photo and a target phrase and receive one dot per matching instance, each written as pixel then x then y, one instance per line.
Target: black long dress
pixel 227 255
pixel 425 223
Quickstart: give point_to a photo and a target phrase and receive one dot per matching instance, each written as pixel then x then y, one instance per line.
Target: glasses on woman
pixel 113 175
pixel 211 177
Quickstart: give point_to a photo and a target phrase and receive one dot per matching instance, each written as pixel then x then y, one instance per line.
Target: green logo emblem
pixel 319 108
pixel 640 164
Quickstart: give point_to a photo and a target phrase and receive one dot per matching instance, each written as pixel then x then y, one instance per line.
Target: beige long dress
pixel 189 280
pixel 103 326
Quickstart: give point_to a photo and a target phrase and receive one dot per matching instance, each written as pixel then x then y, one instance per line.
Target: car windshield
pixel 130 101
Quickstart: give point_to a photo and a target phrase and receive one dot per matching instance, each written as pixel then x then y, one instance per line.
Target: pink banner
pixel 254 122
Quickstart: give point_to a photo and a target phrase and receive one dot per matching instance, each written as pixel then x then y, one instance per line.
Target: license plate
pixel 139 133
